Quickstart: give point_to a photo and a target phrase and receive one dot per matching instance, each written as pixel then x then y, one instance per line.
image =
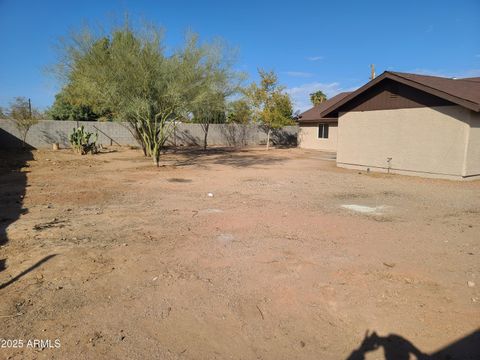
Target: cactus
pixel 80 141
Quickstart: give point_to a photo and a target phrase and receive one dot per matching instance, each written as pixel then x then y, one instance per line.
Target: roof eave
pixel 452 98
pixel 320 120
pixel 353 94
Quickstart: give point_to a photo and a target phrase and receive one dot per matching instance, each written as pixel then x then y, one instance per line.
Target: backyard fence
pixel 48 132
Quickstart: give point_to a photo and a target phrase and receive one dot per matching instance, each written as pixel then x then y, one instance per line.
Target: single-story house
pixel 317 132
pixel 410 124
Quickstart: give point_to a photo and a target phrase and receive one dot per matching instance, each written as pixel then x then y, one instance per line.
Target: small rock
pixel 155 278
pixel 210 194
pixel 59 287
pixel 470 284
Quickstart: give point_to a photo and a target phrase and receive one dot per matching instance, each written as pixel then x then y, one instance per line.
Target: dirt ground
pixel 291 258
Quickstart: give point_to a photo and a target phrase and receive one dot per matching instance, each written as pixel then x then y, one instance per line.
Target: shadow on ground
pixel 396 347
pixel 26 271
pixel 13 183
pixel 226 156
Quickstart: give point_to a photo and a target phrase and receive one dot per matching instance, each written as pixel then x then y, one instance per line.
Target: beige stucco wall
pixel 472 161
pixel 308 137
pixel 426 141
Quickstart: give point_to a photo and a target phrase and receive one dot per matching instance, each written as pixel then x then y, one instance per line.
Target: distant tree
pixel 210 112
pixel 318 97
pixel 23 116
pixel 2 113
pixel 211 68
pixel 64 109
pixel 272 106
pixel 239 112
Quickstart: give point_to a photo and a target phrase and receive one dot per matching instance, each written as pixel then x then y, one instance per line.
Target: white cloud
pixel 301 94
pixel 314 58
pixel 298 74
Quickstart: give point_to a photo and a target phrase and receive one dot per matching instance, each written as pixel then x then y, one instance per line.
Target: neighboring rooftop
pixel 313 114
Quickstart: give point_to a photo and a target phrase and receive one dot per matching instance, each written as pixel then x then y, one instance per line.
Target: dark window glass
pixel 323 131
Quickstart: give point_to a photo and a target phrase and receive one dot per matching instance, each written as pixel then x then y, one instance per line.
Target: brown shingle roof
pixel 463 92
pixel 313 114
pixel 461 88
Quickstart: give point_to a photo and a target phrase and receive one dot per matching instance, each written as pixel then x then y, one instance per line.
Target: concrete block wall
pixel 47 132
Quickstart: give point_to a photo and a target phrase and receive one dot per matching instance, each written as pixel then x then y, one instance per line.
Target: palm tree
pixel 317 97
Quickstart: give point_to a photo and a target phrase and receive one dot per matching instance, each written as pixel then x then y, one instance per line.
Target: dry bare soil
pixel 120 260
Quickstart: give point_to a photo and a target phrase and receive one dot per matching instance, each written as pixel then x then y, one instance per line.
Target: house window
pixel 323 131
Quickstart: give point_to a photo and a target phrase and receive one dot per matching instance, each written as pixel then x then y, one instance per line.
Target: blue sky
pixel 326 45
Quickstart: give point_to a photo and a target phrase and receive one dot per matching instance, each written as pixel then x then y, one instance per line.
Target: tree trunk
pixel 24 140
pixel 174 136
pixel 156 155
pixel 268 138
pixel 205 130
pixel 135 131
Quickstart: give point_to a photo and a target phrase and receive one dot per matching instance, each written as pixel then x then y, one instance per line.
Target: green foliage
pixel 2 113
pixel 127 71
pixel 64 109
pixel 318 97
pixel 272 107
pixel 239 112
pixel 82 141
pixel 24 117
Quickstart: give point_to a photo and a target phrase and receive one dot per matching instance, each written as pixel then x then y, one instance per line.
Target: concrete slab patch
pixel 373 210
